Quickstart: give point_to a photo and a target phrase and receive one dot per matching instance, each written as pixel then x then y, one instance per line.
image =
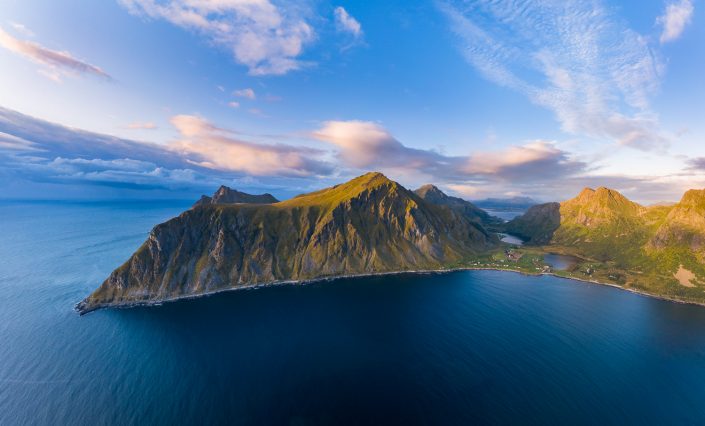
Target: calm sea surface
pixel 486 347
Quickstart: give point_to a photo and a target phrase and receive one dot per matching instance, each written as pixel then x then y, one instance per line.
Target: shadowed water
pixel 561 262
pixel 482 346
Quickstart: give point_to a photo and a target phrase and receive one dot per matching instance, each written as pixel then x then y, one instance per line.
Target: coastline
pixel 145 303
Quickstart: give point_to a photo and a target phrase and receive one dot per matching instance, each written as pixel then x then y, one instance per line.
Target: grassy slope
pixel 626 244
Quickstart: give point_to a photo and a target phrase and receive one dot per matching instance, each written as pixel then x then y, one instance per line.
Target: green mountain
pixel 433 195
pixel 681 234
pixel 367 225
pixel 658 249
pixel 597 222
pixel 225 195
pixel 537 225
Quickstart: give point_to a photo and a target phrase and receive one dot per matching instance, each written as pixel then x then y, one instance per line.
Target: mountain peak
pixel 344 191
pixel 430 191
pixel 370 180
pixel 227 195
pixel 602 197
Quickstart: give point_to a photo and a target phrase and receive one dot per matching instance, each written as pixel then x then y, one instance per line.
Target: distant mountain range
pixel 374 225
pixel 512 203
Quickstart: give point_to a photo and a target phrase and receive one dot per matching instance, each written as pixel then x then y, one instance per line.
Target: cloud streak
pixel 245 93
pixel 344 22
pixel 674 20
pixel 56 63
pixel 573 58
pixel 262 36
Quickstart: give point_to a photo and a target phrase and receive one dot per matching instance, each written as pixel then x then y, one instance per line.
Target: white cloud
pixel 206 145
pixel 56 63
pixel 465 190
pixel 344 22
pixel 266 38
pixel 367 145
pixel 245 93
pixel 674 20
pixel 572 57
pixel 234 104
pixel 535 161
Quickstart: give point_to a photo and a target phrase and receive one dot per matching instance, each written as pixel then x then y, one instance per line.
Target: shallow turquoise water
pixel 475 346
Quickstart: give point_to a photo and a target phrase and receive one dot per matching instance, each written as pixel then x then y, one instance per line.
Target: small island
pixel 373 225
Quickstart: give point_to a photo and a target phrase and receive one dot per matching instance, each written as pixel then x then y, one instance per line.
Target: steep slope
pixel 225 195
pixel 435 196
pixel 599 223
pixel 537 225
pixel 602 222
pixel 682 232
pixel 369 224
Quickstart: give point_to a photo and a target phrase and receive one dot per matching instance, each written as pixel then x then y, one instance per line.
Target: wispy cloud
pixel 21 28
pixel 56 64
pixel 266 38
pixel 345 22
pixel 245 93
pixel 674 20
pixel 207 145
pixel 13 143
pixel 572 57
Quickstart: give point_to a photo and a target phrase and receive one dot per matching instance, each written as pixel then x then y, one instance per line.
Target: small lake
pixel 511 239
pixel 561 262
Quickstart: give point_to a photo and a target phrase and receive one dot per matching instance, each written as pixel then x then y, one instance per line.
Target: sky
pixel 143 99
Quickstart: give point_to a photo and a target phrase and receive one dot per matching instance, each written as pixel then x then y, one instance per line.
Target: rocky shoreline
pixel 83 310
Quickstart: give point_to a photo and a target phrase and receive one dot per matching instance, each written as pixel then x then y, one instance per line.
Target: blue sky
pixel 171 98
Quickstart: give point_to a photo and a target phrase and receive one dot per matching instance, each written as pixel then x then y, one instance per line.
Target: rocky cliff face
pixel 368 225
pixel 225 195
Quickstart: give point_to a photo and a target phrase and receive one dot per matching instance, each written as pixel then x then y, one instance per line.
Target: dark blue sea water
pixel 484 347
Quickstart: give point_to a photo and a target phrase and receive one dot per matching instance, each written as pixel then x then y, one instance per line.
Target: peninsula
pixel 373 225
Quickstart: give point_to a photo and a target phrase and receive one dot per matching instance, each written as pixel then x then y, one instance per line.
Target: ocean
pixel 464 347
